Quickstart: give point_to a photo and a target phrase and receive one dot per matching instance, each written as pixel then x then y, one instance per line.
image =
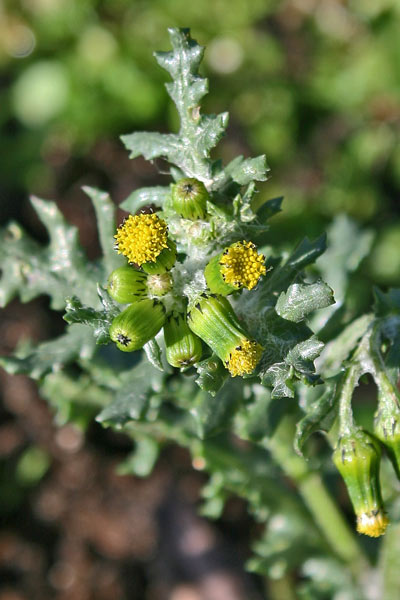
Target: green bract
pixel 183 347
pixel 189 198
pixel 357 457
pixel 137 324
pixel 127 285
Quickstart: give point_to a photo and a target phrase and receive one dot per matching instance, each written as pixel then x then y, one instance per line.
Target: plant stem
pixel 346 421
pixel 315 495
pixel 280 589
pixel 328 517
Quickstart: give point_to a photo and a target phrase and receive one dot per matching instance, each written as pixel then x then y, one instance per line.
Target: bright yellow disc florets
pixel 241 265
pixel 373 524
pixel 141 238
pixel 244 358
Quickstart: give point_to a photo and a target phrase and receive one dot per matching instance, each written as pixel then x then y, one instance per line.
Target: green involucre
pixel 137 324
pixel 127 285
pixel 189 198
pixel 357 458
pixel 183 347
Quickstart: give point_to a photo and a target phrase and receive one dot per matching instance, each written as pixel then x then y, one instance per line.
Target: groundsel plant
pixel 192 328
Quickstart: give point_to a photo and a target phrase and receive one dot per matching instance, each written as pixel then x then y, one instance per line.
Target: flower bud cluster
pixel 147 285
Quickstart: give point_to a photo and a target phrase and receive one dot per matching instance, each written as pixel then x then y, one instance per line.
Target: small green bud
pixel 183 347
pixel 159 285
pixel 214 321
pixel 127 285
pixel 137 324
pixel 189 198
pixel 387 427
pixel 164 261
pixel 357 458
pixel 211 374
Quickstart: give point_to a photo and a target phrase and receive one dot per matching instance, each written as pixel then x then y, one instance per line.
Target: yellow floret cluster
pixel 373 524
pixel 241 265
pixel 244 358
pixel 141 238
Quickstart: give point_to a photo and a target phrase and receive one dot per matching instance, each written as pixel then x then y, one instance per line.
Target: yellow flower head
pixel 141 238
pixel 244 358
pixel 373 524
pixel 241 265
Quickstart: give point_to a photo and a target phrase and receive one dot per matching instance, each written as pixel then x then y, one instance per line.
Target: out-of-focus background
pixel 313 84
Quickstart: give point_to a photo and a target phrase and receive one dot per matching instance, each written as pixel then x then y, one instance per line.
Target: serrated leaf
pixel 302 299
pixel 153 353
pixel 245 170
pixel 302 356
pixel 52 356
pixel 152 144
pixel 30 270
pixel 269 209
pixel 99 320
pixel 145 196
pixel 279 377
pixel 289 351
pixel 132 399
pixel 189 149
pixel 105 214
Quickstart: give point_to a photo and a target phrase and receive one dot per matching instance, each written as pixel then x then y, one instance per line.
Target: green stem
pixel 390 563
pixel 346 420
pixel 328 517
pixel 280 589
pixel 315 495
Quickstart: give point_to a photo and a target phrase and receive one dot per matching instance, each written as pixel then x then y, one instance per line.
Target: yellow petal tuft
pixel 244 358
pixel 241 265
pixel 141 238
pixel 373 524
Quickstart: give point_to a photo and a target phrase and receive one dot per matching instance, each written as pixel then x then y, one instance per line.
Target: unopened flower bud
pixel 214 321
pixel 137 324
pixel 357 458
pixel 239 266
pixel 183 347
pixel 189 198
pixel 159 285
pixel 127 285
